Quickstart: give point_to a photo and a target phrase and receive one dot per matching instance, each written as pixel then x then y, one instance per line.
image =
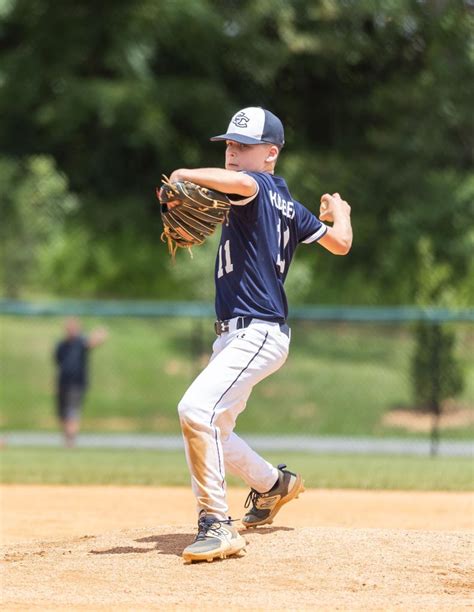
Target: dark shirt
pixel 72 359
pixel 256 249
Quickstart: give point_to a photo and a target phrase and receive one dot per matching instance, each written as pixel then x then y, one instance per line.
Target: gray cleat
pixel 216 539
pixel 266 505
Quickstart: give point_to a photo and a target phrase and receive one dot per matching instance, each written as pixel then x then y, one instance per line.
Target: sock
pixel 275 485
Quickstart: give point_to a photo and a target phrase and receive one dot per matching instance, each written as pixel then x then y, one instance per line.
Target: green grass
pixel 120 467
pixel 340 379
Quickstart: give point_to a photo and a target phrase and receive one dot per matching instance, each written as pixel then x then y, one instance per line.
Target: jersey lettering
pixel 287 208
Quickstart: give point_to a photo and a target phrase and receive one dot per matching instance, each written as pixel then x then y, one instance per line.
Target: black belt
pixel 222 326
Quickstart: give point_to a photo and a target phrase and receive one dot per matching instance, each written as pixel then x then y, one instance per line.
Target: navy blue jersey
pixel 256 249
pixel 71 357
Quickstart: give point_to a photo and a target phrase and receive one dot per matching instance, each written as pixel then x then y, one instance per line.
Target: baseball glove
pixel 190 213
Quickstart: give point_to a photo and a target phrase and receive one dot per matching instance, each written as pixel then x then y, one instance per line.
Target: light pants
pixel 209 409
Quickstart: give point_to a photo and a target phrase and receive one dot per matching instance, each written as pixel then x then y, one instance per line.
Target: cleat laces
pixel 253 498
pixel 206 523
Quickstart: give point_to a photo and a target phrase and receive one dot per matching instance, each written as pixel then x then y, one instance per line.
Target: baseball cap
pixel 254 125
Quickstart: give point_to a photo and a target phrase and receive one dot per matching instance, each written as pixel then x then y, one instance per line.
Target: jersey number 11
pixel 228 266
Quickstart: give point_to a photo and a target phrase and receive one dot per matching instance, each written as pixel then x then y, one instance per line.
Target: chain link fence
pixel 350 372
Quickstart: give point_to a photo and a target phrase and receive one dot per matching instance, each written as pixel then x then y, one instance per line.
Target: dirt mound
pixel 62 512
pixel 284 568
pixel 108 548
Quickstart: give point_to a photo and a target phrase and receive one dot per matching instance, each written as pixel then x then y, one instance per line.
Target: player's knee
pixel 190 412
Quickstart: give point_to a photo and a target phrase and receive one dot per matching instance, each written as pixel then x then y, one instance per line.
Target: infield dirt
pixel 108 548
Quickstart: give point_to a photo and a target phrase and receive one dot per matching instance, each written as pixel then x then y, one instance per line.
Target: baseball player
pixel 265 225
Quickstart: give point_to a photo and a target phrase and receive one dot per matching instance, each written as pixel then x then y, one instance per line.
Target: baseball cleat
pixel 216 539
pixel 266 505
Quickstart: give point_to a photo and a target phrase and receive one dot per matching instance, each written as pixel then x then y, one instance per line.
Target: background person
pixel 71 358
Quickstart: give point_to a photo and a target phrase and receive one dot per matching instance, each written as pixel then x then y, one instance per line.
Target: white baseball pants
pixel 209 409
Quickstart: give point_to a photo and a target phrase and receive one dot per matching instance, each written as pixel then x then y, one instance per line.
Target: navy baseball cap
pixel 254 125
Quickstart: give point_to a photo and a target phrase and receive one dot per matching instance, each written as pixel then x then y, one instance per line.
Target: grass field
pixel 86 466
pixel 340 379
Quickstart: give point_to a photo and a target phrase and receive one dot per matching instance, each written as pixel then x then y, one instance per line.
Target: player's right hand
pixel 331 206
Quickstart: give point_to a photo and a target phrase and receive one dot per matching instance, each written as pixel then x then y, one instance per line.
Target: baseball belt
pixel 222 326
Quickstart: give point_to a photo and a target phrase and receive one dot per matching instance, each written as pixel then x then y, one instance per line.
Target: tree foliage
pixel 34 209
pixel 436 372
pixel 376 98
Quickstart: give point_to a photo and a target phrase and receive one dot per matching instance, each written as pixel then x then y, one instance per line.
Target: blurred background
pixel 97 100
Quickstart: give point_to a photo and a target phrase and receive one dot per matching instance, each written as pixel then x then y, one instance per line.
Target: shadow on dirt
pixel 170 543
pixel 174 543
pixel 166 544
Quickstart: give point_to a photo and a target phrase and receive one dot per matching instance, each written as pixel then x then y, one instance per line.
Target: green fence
pixel 124 308
pixel 349 371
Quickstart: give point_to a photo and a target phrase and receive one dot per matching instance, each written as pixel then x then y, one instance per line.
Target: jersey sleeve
pixel 309 227
pixel 242 200
pixel 248 208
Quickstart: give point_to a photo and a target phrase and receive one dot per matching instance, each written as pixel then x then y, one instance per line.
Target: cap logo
pixel 241 120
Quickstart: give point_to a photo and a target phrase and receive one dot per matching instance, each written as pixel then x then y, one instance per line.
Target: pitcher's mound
pixel 285 568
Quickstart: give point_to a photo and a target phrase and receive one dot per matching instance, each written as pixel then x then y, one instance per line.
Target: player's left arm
pixel 227 181
pixel 96 337
pixel 338 238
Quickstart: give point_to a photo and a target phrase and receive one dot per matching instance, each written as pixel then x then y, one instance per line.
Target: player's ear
pixel 272 154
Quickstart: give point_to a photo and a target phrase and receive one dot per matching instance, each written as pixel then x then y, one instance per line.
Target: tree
pixel 376 98
pixel 34 207
pixel 435 371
